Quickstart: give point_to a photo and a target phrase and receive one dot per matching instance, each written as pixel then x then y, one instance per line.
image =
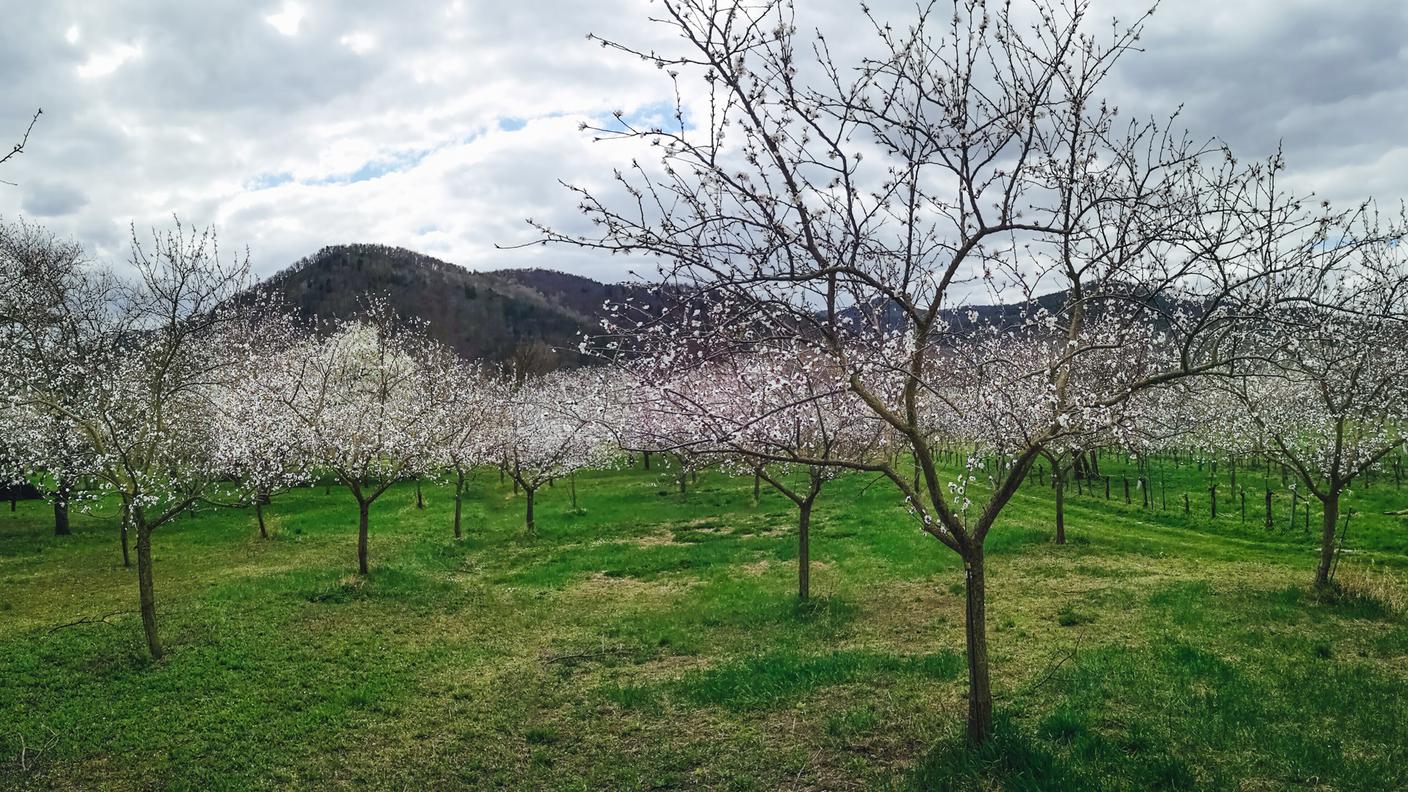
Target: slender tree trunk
pixel 804 550
pixel 757 488
pixel 1060 509
pixel 572 485
pixel 459 499
pixel 259 515
pixel 528 523
pixel 979 684
pixel 145 592
pixel 684 482
pixel 1329 522
pixel 126 521
pixel 363 508
pixel 645 459
pixel 61 526
pixel 420 499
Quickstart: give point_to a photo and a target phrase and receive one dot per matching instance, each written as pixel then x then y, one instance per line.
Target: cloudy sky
pixel 440 126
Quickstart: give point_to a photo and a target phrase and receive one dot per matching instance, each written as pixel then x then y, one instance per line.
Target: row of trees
pixel 171 388
pixel 168 388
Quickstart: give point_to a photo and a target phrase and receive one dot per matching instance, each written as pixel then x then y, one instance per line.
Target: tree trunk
pixel 1329 523
pixel 528 524
pixel 804 550
pixel 362 514
pixel 61 526
pixel 979 685
pixel 259 515
pixel 684 480
pixel 420 499
pixel 645 459
pixel 1060 509
pixel 126 520
pixel 459 499
pixel 572 485
pixel 144 588
pixel 757 488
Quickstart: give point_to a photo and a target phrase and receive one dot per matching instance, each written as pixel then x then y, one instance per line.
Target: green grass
pixel 651 640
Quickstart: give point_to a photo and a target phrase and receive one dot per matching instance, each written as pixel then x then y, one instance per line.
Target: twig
pixel 25 753
pixel 1052 671
pixel 18 148
pixel 88 620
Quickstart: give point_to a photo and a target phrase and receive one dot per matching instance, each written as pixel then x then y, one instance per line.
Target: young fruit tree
pixel 49 299
pixel 868 211
pixel 361 401
pixel 140 397
pixel 256 447
pixel 551 426
pixel 771 414
pixel 468 425
pixel 1327 394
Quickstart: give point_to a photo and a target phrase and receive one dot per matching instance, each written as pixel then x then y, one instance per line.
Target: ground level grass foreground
pixel 653 640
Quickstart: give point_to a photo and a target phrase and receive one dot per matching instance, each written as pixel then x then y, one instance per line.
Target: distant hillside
pixel 530 317
pixel 482 315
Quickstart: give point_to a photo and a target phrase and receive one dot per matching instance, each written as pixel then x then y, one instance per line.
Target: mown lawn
pixel 652 640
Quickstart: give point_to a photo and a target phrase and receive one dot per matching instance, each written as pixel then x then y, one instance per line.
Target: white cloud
pixel 101 64
pixel 287 20
pixel 359 42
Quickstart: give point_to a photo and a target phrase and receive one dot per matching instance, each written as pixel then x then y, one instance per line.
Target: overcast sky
pixel 439 126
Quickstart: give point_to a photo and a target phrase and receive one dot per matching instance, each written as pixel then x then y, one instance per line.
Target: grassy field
pixel 652 640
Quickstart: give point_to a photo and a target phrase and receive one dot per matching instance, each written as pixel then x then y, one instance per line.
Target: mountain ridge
pixel 530 316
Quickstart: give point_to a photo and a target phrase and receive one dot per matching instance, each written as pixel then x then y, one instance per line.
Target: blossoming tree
pixel 361 401
pixel 140 397
pixel 859 208
pixel 551 426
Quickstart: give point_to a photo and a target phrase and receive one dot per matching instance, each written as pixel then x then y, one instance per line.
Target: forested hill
pixel 530 317
pixel 533 315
